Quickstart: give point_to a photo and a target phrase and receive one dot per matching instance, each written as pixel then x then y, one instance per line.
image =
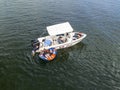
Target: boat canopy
pixel 59 28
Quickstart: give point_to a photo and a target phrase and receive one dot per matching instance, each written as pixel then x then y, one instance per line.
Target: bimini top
pixel 59 28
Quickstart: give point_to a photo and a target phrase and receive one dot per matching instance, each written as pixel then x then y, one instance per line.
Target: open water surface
pixel 93 64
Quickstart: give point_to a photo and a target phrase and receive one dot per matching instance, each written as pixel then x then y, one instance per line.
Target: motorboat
pixel 60 36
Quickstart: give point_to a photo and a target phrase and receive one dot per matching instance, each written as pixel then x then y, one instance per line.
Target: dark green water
pixel 93 64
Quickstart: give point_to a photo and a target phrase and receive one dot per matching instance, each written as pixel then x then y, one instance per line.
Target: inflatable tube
pixel 48 55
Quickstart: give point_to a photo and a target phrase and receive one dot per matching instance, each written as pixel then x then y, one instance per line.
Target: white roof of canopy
pixel 59 28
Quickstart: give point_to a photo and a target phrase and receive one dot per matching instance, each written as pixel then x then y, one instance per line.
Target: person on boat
pixel 60 40
pixel 36 47
pixel 47 53
pixel 79 35
pixel 51 51
pixel 68 35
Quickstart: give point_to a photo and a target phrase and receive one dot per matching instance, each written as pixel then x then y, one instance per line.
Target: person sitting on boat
pixel 79 35
pixel 50 51
pixel 60 40
pixel 47 53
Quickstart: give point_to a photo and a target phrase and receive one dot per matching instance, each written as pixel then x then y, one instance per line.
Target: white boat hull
pixel 68 43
